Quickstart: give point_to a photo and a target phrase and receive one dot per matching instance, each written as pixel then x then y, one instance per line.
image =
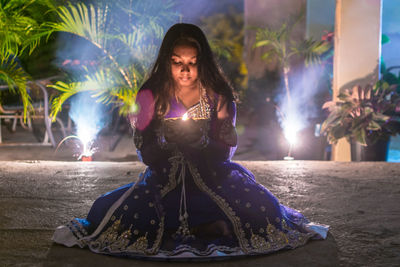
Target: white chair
pixel 41 111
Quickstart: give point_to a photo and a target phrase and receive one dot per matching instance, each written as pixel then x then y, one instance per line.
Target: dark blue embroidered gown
pixel 192 201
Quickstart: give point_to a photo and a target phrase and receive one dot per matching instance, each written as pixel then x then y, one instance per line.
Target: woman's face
pixel 184 66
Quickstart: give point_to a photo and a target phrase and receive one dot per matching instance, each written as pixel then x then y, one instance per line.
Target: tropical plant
pixel 21 28
pixel 225 32
pixel 126 35
pixel 390 77
pixel 281 46
pixel 364 114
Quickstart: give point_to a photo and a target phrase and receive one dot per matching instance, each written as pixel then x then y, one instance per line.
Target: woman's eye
pixel 193 63
pixel 176 62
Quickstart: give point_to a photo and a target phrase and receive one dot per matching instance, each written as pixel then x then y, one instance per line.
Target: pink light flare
pixel 144 110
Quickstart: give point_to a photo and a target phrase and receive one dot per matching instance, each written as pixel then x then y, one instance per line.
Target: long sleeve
pixel 148 147
pixel 145 136
pixel 222 135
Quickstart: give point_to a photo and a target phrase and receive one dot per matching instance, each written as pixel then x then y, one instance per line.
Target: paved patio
pixel 358 200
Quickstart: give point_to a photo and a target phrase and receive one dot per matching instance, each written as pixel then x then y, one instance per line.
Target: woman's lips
pixel 184 79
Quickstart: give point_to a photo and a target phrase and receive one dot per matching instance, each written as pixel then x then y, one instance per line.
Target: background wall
pixel 320 17
pixel 391 27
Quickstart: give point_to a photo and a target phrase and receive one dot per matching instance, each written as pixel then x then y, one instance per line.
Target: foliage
pixel 20 24
pixel 15 78
pixel 21 27
pixel 226 35
pixel 281 46
pixel 390 77
pixel 126 35
pixel 365 114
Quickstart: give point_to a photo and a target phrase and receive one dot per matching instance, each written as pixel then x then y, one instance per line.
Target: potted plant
pixel 365 115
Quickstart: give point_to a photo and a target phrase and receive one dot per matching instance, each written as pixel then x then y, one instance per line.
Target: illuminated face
pixel 184 66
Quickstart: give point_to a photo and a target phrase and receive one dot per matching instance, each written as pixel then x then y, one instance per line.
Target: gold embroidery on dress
pixel 157 242
pixel 202 109
pixel 171 184
pixel 276 239
pixel 259 243
pixel 122 240
pixel 223 205
pixel 108 237
pixel 275 236
pixel 140 245
pixel 110 240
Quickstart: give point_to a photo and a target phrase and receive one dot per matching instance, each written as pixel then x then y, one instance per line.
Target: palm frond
pixel 139 52
pixel 275 43
pixel 87 22
pixel 127 97
pixel 16 79
pixel 15 28
pixel 112 89
pixel 311 50
pixel 21 26
pixel 67 90
pixel 107 86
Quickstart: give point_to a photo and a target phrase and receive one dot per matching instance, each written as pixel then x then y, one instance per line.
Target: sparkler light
pixel 88 149
pixel 291 137
pixel 295 110
pixel 87 136
pixel 290 133
pixel 291 126
pixel 89 117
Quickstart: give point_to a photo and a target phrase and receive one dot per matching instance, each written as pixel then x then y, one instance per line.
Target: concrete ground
pixel 358 200
pixel 40 190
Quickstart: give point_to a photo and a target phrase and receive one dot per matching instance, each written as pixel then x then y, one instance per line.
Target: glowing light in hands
pixel 185 117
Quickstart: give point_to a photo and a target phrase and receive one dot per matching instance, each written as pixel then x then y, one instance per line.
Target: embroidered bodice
pixel 201 110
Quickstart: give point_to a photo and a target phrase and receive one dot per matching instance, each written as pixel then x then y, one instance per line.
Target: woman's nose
pixel 185 67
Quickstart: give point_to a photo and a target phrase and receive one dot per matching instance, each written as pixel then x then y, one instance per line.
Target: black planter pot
pixel 376 152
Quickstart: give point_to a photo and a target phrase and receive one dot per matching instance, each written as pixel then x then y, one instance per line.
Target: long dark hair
pixel 210 74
